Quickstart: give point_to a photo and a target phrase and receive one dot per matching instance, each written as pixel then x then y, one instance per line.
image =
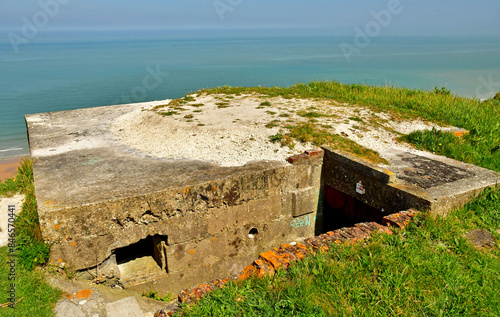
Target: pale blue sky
pixel 340 17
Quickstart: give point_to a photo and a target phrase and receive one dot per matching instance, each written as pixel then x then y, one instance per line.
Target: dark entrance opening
pixel 143 260
pixel 131 252
pixel 341 210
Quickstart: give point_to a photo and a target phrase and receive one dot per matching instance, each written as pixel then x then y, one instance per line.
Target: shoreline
pixel 8 166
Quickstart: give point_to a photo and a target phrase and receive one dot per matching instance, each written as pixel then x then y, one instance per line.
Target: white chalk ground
pixel 231 131
pixel 16 200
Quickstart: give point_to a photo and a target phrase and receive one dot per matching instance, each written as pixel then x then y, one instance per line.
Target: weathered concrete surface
pixel 127 307
pixel 85 299
pixel 96 195
pixel 417 180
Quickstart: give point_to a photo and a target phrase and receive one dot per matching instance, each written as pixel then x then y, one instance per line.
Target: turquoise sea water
pixel 61 71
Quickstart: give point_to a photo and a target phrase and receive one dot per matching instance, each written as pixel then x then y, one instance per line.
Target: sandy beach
pixel 8 167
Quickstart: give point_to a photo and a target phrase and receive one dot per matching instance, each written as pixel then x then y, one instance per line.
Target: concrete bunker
pixel 168 224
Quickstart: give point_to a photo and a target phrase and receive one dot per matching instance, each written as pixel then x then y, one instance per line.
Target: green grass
pixel 309 132
pixel 154 295
pixel 427 270
pixel 8 188
pixel 480 147
pixel 355 119
pixel 168 113
pixel 38 298
pixel 311 114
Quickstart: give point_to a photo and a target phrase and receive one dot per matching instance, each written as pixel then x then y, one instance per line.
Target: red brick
pixel 400 220
pixel 317 153
pixel 363 226
pixel 337 238
pixel 345 234
pixel 274 259
pixel 249 271
pixel 380 228
pixel 298 158
pixel 359 234
pixel 198 293
pixel 287 256
pixel 264 270
pixel 205 288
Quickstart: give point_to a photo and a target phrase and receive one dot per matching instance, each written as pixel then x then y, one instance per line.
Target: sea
pixel 63 70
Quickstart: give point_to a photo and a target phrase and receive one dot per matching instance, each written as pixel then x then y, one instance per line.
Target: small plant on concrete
pixel 311 114
pixel 154 295
pixel 355 119
pixel 276 138
pixel 222 105
pixel 265 103
pixel 272 124
pixel 168 113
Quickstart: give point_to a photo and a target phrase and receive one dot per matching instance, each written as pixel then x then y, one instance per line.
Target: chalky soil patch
pixel 147 195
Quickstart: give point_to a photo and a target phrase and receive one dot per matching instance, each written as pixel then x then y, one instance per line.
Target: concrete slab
pixel 86 299
pixel 413 179
pixel 66 308
pixel 127 307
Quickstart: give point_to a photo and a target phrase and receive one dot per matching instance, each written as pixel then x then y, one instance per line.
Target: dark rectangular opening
pixel 341 210
pixel 143 260
pixel 131 252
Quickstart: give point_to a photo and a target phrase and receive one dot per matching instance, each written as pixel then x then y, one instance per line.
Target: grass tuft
pixel 31 249
pixel 309 132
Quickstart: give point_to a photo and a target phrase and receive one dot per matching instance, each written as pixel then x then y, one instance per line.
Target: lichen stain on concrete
pixel 427 173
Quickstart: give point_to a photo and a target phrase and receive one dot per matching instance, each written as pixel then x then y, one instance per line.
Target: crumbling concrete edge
pixel 284 256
